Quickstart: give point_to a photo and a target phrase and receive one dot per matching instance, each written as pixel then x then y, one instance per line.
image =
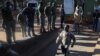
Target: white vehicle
pixel 33 2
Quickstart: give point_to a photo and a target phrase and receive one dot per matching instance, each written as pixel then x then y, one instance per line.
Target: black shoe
pixel 34 35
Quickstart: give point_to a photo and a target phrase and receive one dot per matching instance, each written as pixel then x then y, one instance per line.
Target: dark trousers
pixel 53 22
pixel 77 27
pixel 42 29
pixel 10 32
pixel 95 24
pixel 49 22
pixel 62 21
pixel 31 28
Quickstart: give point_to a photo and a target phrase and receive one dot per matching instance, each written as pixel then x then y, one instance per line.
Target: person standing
pixel 78 18
pixel 48 13
pixel 96 16
pixel 53 15
pixel 62 17
pixel 23 23
pixel 29 12
pixel 8 22
pixel 42 18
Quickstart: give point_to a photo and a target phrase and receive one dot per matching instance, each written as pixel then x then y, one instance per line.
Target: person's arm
pixel 3 17
pixel 18 16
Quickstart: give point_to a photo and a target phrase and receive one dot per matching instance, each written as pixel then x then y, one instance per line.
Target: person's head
pixel 29 5
pixel 67 28
pixel 8 4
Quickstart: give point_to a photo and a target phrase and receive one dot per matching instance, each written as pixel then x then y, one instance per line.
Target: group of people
pixel 26 18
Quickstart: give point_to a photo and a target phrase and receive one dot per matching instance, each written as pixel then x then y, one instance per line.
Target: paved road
pixel 34 45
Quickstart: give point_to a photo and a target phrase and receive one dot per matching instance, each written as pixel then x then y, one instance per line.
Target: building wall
pixel 89 6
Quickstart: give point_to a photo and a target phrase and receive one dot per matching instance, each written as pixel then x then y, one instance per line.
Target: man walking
pixel 66 36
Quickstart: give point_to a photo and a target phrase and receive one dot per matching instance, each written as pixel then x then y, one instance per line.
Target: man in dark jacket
pixel 42 18
pixel 8 22
pixel 66 37
pixel 53 15
pixel 23 23
pixel 29 11
pixel 48 12
pixel 62 17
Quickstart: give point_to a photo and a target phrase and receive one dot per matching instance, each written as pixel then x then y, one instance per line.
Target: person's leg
pixel 96 25
pixel 13 32
pixel 32 28
pixel 53 22
pixel 93 24
pixel 62 21
pixel 78 29
pixel 48 24
pixel 8 34
pixel 29 31
pixel 25 29
pixel 43 28
pixel 83 8
pixel 75 27
pixel 38 18
pixel 22 29
pixel 33 33
pixel 40 24
pixel 67 50
pixel 43 24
